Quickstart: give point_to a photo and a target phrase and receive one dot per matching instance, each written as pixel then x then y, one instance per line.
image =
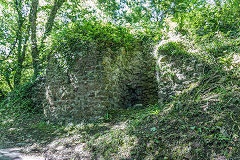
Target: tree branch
pixel 57 4
pixel 35 51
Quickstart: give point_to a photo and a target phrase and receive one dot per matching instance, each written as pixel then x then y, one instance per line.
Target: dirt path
pixel 15 154
pixel 9 152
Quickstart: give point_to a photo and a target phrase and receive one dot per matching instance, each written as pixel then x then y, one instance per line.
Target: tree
pixel 36 49
pixel 15 31
pixel 20 48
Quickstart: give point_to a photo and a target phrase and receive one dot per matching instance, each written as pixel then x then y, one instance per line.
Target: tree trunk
pixel 35 51
pixel 50 21
pixel 19 38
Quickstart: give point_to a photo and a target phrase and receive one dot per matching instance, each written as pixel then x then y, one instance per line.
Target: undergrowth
pixel 200 121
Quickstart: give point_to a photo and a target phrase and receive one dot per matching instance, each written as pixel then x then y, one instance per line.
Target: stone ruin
pixel 97 82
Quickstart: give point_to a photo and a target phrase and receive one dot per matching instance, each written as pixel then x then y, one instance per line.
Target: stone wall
pixel 99 80
pixel 178 71
pixel 131 78
pixel 79 92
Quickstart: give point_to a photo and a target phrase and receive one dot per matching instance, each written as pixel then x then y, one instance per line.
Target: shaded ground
pixel 35 136
pixel 199 119
pixel 152 133
pixel 15 154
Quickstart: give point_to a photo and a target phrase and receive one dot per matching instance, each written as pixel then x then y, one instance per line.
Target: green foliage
pixel 110 7
pixel 200 121
pixel 20 101
pixel 105 35
pixel 213 18
pixel 173 48
pixel 84 35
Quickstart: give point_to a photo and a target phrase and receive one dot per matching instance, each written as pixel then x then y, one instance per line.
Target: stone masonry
pixel 97 82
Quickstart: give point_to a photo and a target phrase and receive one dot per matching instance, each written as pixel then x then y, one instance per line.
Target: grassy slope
pixel 201 122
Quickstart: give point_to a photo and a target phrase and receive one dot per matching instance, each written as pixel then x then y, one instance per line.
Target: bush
pixel 21 100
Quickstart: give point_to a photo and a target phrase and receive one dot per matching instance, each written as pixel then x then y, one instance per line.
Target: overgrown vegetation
pixel 197 118
pixel 21 101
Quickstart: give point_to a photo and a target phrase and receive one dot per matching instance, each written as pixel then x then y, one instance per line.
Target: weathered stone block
pixel 98 81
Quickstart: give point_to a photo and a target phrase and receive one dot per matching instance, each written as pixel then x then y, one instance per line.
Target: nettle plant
pixel 80 36
pixel 20 101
